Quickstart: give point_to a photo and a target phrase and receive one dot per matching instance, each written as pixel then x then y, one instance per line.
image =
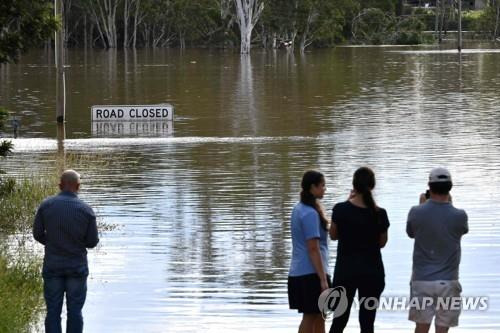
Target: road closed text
pixel 132 113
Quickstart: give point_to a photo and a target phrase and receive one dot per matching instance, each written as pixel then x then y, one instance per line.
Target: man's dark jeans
pixel 57 282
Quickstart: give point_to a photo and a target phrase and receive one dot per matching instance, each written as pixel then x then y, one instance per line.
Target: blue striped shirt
pixel 67 227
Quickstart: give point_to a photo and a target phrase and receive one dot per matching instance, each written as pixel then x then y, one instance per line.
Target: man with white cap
pixel 66 226
pixel 437 227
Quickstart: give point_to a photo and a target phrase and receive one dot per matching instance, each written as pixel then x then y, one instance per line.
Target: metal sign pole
pixel 59 56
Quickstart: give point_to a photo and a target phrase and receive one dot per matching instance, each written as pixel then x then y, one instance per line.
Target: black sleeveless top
pixel 358 249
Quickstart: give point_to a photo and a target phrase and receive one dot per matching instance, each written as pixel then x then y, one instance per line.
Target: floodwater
pixel 203 205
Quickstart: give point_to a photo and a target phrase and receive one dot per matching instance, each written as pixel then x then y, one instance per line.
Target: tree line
pixel 215 23
pixel 247 23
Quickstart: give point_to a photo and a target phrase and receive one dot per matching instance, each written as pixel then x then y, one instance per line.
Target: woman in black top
pixel 360 226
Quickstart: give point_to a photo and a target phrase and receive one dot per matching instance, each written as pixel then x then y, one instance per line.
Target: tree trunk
pixel 246 41
pixel 442 13
pixel 85 31
pixel 303 38
pixel 436 23
pixel 497 21
pixel 182 40
pixel 136 22
pixel 248 13
pixel 126 14
pixel 400 7
pixel 65 18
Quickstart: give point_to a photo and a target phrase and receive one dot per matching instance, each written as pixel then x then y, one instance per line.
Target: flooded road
pixel 202 209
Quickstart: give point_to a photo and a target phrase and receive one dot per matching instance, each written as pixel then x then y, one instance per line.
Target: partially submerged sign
pixel 132 112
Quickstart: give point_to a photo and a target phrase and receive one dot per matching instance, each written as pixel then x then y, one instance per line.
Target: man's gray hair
pixel 70 176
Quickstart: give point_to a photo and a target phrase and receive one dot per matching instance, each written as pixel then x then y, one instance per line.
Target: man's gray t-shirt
pixel 437 228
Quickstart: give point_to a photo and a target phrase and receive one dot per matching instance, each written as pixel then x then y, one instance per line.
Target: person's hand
pixel 352 195
pixel 324 285
pixel 422 198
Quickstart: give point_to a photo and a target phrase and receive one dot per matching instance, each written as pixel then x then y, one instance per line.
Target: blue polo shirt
pixel 306 225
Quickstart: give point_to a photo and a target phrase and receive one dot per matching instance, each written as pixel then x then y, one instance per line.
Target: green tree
pixel 387 6
pixel 279 22
pixel 194 20
pixel 24 24
pixel 320 21
pixel 489 20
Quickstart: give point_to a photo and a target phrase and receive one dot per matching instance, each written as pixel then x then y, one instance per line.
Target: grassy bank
pixel 19 200
pixel 21 300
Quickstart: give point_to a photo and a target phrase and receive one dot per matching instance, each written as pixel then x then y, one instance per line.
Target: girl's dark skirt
pixel 304 291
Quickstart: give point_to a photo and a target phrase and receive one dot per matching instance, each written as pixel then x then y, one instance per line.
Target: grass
pixel 19 201
pixel 21 301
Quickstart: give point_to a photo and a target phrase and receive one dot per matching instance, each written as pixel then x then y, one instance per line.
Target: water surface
pixel 203 242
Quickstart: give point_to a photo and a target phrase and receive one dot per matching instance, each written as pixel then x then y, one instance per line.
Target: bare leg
pixel 441 329
pixel 422 328
pixel 307 323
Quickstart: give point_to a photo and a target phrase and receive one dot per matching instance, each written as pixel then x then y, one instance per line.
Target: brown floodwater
pixel 203 204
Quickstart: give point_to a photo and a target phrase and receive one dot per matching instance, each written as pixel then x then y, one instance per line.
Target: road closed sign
pixel 132 112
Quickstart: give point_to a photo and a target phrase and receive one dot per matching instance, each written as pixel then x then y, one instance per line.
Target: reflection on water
pixel 204 242
pixel 107 129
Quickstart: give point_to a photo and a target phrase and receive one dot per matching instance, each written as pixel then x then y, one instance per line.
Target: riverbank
pixel 21 301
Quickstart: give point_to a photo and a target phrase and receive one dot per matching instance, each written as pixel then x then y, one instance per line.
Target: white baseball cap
pixel 439 175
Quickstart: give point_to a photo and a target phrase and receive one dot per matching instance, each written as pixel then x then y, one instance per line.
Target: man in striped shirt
pixel 67 227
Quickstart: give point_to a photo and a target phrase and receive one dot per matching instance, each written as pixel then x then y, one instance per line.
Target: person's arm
pixel 409 225
pixel 334 228
pixel 39 228
pixel 311 228
pixel 384 226
pixel 466 224
pixel 382 241
pixel 315 255
pixel 422 199
pixel 92 236
pixel 334 233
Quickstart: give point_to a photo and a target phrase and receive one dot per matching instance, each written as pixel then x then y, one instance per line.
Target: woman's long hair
pixel 364 182
pixel 307 198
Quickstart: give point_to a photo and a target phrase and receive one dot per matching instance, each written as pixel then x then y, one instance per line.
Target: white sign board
pixel 132 112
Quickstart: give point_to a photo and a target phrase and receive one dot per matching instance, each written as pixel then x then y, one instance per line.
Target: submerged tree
pixel 248 13
pixel 24 24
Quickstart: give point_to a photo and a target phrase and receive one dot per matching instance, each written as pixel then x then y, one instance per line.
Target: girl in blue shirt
pixel 309 266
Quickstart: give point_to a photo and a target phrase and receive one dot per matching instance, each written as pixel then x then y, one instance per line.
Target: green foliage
pixel 24 24
pixel 487 20
pixel 409 31
pixel 21 299
pixel 19 201
pixel 373 26
pixel 5 148
pixel 387 6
